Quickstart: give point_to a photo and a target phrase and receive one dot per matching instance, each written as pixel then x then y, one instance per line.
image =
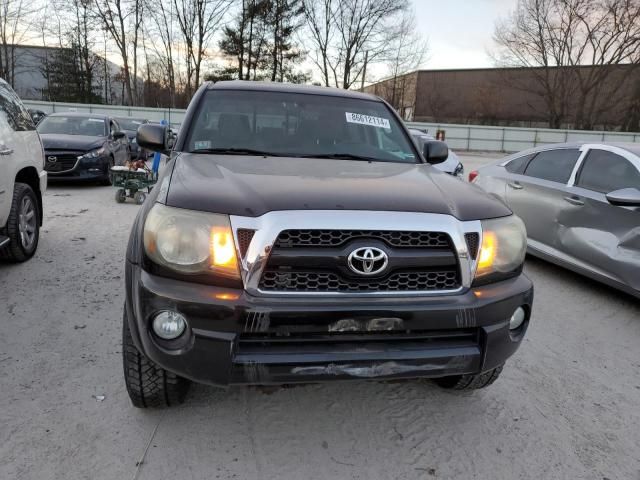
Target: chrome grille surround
pixel 268 226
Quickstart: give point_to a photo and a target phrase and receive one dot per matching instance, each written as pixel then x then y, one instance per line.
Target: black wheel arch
pixel 29 175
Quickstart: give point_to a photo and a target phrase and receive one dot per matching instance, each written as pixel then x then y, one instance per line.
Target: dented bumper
pixel 235 338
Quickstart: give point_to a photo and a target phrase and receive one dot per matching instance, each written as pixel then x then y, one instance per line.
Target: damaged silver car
pixel 580 204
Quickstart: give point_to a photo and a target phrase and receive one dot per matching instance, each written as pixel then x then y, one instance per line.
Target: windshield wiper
pixel 235 151
pixel 342 156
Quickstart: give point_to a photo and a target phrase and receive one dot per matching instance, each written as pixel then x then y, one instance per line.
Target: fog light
pixel 169 325
pixel 517 318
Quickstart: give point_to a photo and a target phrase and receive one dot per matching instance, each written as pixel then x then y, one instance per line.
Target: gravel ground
pixel 566 406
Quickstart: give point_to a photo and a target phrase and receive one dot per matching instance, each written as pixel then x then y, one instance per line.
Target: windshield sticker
pixel 368 120
pixel 201 144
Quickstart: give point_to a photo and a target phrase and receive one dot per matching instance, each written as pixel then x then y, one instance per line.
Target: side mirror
pixel 625 197
pixel 435 151
pixel 153 137
pixel 119 135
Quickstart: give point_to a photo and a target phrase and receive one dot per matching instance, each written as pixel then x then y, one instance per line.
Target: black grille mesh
pixel 334 238
pixel 245 236
pixel 330 282
pixel 473 243
pixel 63 162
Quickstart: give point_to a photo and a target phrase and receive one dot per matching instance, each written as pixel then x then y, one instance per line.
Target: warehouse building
pixel 606 98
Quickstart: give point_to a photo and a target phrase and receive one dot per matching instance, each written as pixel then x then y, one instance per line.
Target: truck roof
pixel 289 88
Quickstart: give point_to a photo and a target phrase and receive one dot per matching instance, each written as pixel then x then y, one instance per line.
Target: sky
pixel 459 31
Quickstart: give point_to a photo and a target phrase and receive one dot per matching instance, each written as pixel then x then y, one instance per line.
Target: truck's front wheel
pixel 469 382
pixel 148 384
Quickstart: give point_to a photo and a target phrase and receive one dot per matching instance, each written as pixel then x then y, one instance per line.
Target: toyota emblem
pixel 368 261
pixel 52 159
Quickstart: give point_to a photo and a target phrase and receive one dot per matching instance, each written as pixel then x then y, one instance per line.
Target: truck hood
pixel 253 186
pixel 55 141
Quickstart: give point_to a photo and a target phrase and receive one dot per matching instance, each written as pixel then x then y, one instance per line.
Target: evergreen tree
pixel 261 40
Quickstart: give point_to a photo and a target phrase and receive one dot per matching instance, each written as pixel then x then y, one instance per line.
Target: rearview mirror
pixel 435 151
pixel 625 197
pixel 153 137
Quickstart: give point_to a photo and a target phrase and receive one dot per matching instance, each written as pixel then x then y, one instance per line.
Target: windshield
pixel 130 123
pixel 73 125
pixel 281 123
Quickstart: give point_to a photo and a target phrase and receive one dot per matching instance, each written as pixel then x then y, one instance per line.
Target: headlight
pixel 504 245
pixel 93 154
pixel 191 242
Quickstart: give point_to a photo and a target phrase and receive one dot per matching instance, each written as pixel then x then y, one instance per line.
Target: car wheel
pixel 121 195
pixel 139 197
pixel 107 179
pixel 148 384
pixel 469 382
pixel 23 226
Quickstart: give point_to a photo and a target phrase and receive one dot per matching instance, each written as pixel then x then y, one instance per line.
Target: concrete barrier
pixel 511 139
pixel 459 137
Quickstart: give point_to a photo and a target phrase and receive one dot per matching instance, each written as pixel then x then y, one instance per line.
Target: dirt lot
pixel 566 407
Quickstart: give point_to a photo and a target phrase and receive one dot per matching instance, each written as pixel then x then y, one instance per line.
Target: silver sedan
pixel 580 204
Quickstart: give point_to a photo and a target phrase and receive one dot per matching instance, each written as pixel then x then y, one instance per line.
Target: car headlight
pixel 93 154
pixel 190 242
pixel 503 248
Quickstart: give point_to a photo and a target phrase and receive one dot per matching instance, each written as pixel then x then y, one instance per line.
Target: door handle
pixel 574 201
pixel 5 150
pixel 515 185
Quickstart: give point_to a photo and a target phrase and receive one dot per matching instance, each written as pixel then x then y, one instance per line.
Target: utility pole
pixel 106 78
pixel 364 69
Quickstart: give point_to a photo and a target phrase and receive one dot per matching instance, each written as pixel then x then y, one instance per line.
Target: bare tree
pixel 198 20
pixel 608 34
pixel 123 21
pixel 570 33
pixel 349 34
pixel 15 20
pixel 82 43
pixel 161 27
pixel 319 19
pixel 407 51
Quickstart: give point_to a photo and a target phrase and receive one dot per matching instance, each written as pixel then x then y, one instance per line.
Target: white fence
pixel 459 137
pixel 171 115
pixel 510 139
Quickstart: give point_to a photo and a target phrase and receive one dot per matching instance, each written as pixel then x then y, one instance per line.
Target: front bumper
pixel 85 169
pixel 236 338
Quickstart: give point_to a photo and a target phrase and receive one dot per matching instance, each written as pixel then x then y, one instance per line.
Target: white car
pixel 22 179
pixel 452 165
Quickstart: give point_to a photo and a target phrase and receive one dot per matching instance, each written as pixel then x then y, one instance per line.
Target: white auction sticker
pixel 368 120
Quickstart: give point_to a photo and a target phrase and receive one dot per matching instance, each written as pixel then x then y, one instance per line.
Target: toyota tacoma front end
pixel 296 235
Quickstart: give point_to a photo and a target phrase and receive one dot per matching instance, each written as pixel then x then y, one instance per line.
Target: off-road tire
pixel 14 251
pixel 149 385
pixel 469 382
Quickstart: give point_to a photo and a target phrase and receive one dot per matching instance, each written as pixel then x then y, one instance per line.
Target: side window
pixel 17 116
pixel 606 172
pixel 518 165
pixel 553 165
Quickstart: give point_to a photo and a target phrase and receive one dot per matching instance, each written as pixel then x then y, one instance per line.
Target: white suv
pixel 22 179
